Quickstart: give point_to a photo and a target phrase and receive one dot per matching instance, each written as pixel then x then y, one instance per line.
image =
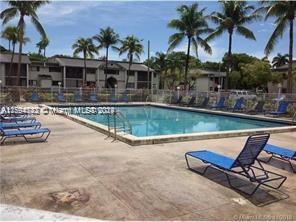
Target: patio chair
pixel 177 100
pixel 17 118
pixel 124 97
pixel 281 153
pixel 238 106
pixel 112 98
pixel 203 104
pixel 282 109
pixel 258 108
pixel 34 97
pixel 77 96
pixel 243 165
pixel 61 97
pixel 93 97
pixel 5 134
pixel 220 104
pixel 18 125
pixel 190 102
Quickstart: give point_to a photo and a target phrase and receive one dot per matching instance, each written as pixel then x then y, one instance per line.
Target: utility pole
pixel 148 66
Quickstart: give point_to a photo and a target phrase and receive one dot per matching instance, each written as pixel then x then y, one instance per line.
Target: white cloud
pixel 61 13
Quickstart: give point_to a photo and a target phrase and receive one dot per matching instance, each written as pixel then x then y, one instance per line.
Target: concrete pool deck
pixel 124 182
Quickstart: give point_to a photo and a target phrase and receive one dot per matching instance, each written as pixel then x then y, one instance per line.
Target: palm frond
pixel 38 26
pixel 277 33
pixel 215 34
pixel 8 14
pixel 175 40
pixel 247 33
pixel 204 45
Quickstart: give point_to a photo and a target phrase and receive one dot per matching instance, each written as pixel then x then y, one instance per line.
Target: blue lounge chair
pixel 220 104
pixel 281 153
pixel 177 100
pixel 17 118
pixel 282 109
pixel 124 98
pixel 112 98
pixel 5 134
pixel 258 108
pixel 238 106
pixel 18 125
pixel 61 97
pixel 190 102
pixel 93 97
pixel 203 104
pixel 77 97
pixel 34 97
pixel 243 165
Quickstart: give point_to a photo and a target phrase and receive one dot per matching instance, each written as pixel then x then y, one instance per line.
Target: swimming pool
pixel 147 121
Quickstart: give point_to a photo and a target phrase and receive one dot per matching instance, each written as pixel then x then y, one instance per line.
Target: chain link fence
pixel 13 95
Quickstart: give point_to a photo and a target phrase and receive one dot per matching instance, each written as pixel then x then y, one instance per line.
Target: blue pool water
pixel 152 121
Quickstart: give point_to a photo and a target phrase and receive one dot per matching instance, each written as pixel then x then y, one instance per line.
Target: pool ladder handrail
pixel 124 120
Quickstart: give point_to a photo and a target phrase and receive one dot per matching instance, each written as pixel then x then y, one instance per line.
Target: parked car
pixel 236 94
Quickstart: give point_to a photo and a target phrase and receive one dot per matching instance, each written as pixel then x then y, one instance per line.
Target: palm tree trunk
pixel 187 62
pixel 106 66
pixel 290 74
pixel 9 42
pixel 229 60
pixel 84 76
pixel 12 57
pixel 21 36
pixel 128 73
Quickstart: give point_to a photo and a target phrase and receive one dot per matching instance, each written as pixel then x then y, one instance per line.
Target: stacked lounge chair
pixel 220 104
pixel 124 97
pixel 203 104
pixel 77 96
pixel 258 108
pixel 93 97
pixel 61 97
pixel 238 106
pixel 177 100
pixel 281 110
pixel 35 97
pixel 190 102
pixel 22 125
pixel 243 165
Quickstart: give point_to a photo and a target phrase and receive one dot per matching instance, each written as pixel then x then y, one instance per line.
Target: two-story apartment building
pixel 69 72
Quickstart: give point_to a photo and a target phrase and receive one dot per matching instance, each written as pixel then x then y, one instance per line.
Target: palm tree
pixel 233 16
pixel 87 47
pixel 284 12
pixel 161 65
pixel 133 47
pixel 11 33
pixel 106 38
pixel 280 60
pixel 42 44
pixel 191 24
pixel 23 9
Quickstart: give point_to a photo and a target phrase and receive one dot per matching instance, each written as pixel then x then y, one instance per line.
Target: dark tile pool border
pixel 136 141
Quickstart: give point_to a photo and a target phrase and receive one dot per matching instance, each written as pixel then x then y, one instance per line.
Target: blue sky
pixel 66 21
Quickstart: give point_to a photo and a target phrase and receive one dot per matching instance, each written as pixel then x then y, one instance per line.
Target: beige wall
pixel 202 84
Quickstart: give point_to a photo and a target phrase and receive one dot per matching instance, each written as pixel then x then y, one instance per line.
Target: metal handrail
pixel 125 120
